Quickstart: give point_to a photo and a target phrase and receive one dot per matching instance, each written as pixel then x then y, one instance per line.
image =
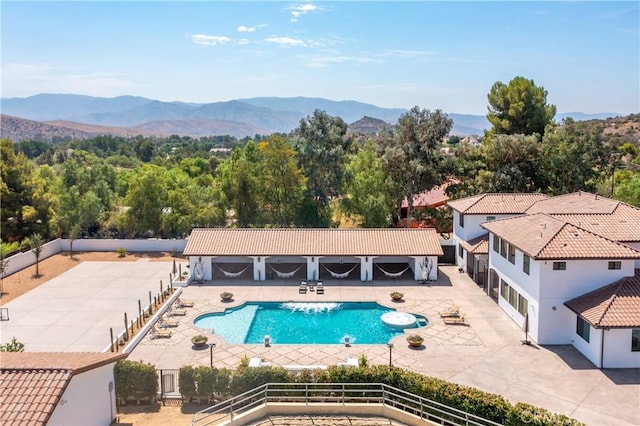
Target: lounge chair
pixel 176 312
pixel 320 288
pixel 453 311
pixel 303 287
pixel 455 320
pixel 181 303
pixel 159 333
pixel 164 323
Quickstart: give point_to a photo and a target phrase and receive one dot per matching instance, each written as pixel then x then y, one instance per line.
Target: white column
pixel 313 267
pixel 366 268
pixel 259 268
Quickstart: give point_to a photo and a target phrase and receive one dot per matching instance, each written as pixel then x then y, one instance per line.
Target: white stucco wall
pixel 590 349
pixel 87 400
pixel 617 349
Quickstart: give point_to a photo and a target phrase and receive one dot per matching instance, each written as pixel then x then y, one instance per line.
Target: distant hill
pixel 368 126
pixel 243 117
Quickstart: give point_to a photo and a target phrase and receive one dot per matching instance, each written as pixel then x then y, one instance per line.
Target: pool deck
pixel 73 312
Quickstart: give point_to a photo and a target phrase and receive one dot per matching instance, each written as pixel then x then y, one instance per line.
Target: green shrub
pixel 135 379
pixel 187 382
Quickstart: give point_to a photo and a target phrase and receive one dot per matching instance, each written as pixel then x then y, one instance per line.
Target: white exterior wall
pixel 590 349
pixel 87 400
pixel 556 287
pixel 526 285
pixel 471 230
pixel 617 349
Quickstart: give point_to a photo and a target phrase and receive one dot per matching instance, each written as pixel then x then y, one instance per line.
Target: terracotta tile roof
pixel 494 203
pixel 575 203
pixel 545 237
pixel 478 245
pixel 32 383
pixel 434 198
pixel 623 224
pixel 313 242
pixel 616 305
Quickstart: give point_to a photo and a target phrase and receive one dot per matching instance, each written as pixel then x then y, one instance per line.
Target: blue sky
pixel 442 55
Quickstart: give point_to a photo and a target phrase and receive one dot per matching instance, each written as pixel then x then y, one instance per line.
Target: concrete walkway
pixel 74 311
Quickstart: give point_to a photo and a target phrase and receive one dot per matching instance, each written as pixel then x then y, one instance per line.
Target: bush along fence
pixel 207 385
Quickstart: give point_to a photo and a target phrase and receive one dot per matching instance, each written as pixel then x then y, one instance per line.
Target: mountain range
pixel 81 116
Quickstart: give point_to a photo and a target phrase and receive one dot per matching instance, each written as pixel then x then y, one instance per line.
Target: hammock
pixel 232 274
pixel 342 275
pixel 395 274
pixel 286 274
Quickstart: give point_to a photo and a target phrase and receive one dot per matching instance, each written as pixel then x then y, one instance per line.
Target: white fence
pixel 26 259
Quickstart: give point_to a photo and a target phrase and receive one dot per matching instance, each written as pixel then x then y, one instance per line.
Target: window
pixel 504 289
pixel 523 305
pixel 582 329
pixel 559 266
pixel 491 218
pixel 526 262
pixel 635 339
pixel 461 251
pixel 512 254
pixel 461 221
pixel 615 265
pixel 496 243
pixel 513 297
pixel 503 248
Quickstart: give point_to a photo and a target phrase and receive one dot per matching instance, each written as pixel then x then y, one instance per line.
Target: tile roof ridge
pixel 553 237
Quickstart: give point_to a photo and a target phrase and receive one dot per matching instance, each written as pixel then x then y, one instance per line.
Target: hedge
pixel 135 380
pixel 210 383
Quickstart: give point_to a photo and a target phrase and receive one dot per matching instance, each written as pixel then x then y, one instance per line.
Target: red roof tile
pixel 545 237
pixel 495 203
pixel 32 383
pixel 478 245
pixel 312 242
pixel 575 203
pixel 616 305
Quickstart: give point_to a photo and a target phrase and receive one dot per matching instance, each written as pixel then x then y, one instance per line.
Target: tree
pixel 35 243
pixel 628 190
pixel 323 145
pixel 514 161
pixel 74 233
pixel 519 107
pixel 146 197
pixel 13 346
pixel 367 190
pixel 410 154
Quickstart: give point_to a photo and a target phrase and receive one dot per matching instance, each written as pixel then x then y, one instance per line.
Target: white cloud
pixel 209 40
pixel 243 41
pixel 286 41
pixel 244 29
pixel 408 53
pixel 301 9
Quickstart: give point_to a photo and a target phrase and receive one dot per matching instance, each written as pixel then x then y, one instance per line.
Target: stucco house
pixel 55 388
pixel 313 254
pixel 560 265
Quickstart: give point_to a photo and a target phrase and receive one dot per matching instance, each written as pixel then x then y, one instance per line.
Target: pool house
pixel 266 254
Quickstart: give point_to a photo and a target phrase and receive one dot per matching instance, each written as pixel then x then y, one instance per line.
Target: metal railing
pixel 337 394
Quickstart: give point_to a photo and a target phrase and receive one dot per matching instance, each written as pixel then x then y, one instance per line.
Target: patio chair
pixel 319 288
pixel 164 323
pixel 455 320
pixel 176 312
pixel 453 311
pixel 303 287
pixel 181 303
pixel 159 333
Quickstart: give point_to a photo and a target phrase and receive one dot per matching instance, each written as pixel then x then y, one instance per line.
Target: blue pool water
pixel 302 323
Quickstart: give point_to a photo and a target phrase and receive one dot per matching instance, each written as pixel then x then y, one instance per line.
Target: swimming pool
pixel 303 323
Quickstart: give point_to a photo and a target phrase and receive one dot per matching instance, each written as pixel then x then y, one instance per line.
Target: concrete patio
pixel 74 311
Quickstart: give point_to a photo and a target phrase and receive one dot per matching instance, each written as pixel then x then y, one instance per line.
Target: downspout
pixel 602 350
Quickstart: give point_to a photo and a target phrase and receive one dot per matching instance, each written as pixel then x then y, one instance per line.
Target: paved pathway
pixel 74 311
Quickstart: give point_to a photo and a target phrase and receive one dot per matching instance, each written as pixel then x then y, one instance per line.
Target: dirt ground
pixel 173 413
pixel 21 282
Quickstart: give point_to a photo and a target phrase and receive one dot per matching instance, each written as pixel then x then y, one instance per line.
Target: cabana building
pixel 263 254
